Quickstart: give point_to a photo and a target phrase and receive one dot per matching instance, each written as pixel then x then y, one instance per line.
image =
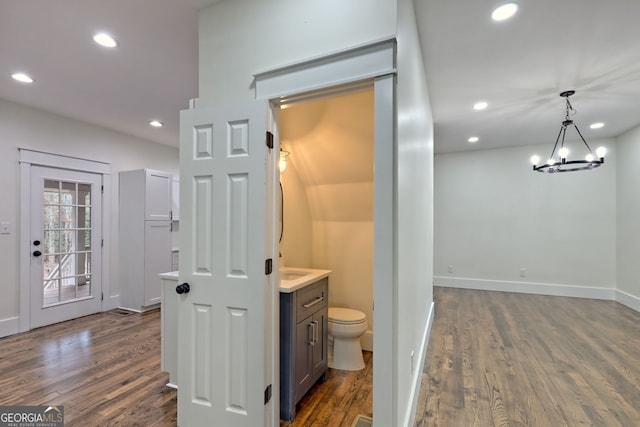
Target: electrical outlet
pixel 523 272
pixel 5 228
pixel 450 269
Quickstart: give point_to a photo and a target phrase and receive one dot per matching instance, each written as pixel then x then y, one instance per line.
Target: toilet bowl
pixel 346 326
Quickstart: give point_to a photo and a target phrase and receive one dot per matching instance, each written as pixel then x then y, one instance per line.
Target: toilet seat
pixel 346 316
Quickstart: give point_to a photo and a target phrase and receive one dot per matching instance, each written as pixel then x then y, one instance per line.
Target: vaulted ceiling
pixel 517 66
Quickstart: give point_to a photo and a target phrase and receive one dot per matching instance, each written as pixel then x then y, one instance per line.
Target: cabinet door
pixel 175 199
pixel 157 257
pixel 319 349
pixel 158 201
pixel 304 357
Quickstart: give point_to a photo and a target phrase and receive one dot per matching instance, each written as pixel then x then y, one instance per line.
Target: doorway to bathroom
pixel 328 188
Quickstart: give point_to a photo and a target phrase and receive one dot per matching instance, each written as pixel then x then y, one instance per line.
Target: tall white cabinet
pixel 145 236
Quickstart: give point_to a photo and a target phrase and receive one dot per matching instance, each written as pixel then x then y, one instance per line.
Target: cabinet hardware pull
pixel 313 334
pixel 314 302
pixel 316 335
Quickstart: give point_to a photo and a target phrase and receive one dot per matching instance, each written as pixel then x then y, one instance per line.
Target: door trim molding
pixel 338 72
pixel 367 61
pixel 28 158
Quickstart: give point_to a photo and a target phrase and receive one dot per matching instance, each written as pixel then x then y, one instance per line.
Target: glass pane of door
pixel 66 250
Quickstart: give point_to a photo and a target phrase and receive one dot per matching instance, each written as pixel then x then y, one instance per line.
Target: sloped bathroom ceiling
pixel 331 145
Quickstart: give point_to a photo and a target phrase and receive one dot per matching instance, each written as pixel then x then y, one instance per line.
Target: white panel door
pixel 66 252
pixel 224 325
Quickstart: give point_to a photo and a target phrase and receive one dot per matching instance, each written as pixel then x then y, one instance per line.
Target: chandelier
pixel 559 160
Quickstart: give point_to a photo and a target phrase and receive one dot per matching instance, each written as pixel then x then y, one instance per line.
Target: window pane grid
pixel 67 241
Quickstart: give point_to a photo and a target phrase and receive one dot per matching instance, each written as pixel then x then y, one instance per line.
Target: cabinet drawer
pixel 311 299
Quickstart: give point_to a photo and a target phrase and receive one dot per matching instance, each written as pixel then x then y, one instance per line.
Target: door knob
pixel 36 243
pixel 183 289
pixel 37 253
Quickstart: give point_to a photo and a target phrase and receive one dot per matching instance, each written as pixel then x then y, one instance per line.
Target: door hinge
pixel 268 266
pixel 102 243
pixel 269 139
pixel 102 189
pixel 101 296
pixel 267 394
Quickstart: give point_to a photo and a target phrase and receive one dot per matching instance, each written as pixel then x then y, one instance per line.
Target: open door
pixel 225 317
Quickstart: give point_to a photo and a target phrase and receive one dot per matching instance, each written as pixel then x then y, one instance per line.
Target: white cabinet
pixel 145 236
pixel 169 327
pixel 175 198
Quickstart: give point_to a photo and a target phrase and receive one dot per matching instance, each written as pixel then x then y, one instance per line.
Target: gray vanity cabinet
pixel 303 343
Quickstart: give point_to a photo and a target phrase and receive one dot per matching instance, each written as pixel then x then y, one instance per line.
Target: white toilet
pixel 346 326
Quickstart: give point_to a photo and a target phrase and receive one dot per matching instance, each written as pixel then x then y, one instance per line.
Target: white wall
pixel 414 215
pixel 494 216
pixel 628 213
pixel 22 127
pixel 239 38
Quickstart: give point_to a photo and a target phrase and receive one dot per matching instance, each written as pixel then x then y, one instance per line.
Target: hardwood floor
pixel 339 400
pixel 506 359
pixel 494 359
pixel 105 370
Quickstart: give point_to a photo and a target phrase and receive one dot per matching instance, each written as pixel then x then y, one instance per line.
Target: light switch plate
pixel 5 228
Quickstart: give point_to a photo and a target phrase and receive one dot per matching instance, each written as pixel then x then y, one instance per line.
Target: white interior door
pixel 65 213
pixel 225 328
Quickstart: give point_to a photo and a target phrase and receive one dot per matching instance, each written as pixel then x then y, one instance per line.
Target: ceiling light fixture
pixel 156 123
pixel 479 106
pixel 504 12
pixel 558 161
pixel 22 77
pixel 473 139
pixel 596 125
pixel 104 39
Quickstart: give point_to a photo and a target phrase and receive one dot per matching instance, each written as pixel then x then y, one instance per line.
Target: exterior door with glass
pixel 66 248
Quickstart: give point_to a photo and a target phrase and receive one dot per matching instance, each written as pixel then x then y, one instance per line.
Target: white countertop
pixel 294 278
pixel 171 275
pixel 291 278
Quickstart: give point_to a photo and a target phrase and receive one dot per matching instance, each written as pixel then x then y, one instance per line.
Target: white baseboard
pixel 366 341
pixel 631 301
pixel 526 287
pixel 9 326
pixel 416 380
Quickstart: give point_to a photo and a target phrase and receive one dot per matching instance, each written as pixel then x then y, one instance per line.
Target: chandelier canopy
pixel 558 160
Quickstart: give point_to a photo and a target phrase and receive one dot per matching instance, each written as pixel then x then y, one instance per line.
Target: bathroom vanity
pixel 304 299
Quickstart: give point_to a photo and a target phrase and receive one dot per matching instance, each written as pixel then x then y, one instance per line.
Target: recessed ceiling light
pixel 156 123
pixel 597 125
pixel 473 139
pixel 22 77
pixel 505 11
pixel 104 39
pixel 479 106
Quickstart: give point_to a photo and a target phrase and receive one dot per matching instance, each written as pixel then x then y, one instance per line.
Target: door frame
pixel 371 64
pixel 28 158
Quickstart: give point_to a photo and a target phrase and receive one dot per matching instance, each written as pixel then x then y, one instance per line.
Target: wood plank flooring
pixel 494 359
pixel 105 370
pixel 506 359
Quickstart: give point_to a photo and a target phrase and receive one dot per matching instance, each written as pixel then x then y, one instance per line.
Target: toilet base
pixel 346 355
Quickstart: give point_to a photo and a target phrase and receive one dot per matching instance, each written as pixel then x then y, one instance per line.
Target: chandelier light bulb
pixel 563 152
pixel 590 157
pixel 550 162
pixel 535 159
pixel 601 151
